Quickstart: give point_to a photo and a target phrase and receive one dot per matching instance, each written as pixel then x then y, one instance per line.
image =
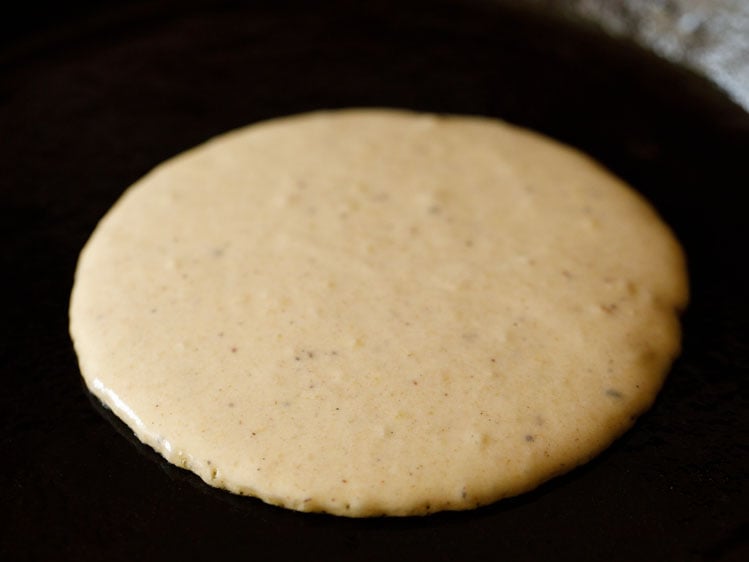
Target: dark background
pixel 94 94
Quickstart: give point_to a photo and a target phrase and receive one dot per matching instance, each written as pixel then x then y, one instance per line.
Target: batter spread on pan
pixel 373 312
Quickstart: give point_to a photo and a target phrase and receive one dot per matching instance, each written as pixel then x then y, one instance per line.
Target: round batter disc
pixel 370 312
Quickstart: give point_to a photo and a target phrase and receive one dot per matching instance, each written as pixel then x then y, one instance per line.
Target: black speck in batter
pixel 614 393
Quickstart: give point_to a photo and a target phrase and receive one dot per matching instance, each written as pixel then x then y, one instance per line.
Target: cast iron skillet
pixel 93 103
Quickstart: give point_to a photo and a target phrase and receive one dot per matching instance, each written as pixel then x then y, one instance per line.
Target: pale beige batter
pixel 373 312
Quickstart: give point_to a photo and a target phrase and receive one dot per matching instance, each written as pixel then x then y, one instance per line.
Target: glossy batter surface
pixel 372 312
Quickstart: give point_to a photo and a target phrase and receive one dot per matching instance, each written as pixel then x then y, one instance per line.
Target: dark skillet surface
pixel 90 105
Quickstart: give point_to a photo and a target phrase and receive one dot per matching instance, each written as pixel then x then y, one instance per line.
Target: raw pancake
pixel 372 312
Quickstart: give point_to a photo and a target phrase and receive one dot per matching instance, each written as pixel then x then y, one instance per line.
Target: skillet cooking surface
pixel 91 105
